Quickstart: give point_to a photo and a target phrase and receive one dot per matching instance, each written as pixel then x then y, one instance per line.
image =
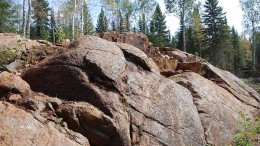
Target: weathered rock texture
pixel 137 104
pixel 26 52
pixel 19 128
pixel 112 94
pixel 121 99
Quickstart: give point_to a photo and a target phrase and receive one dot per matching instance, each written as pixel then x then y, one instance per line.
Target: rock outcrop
pixel 142 107
pixel 20 128
pixel 18 53
pixel 108 93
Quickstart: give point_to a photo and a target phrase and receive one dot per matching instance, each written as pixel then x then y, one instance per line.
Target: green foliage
pixel 238 53
pixel 31 59
pixel 7 18
pixel 258 48
pixel 121 11
pixel 88 24
pixel 41 25
pixel 251 83
pixel 181 9
pixel 60 35
pixel 194 32
pixel 158 30
pixel 121 27
pixel 142 26
pixel 102 24
pixel 127 22
pixel 8 55
pixel 217 42
pixel 53 29
pixel 58 120
pixel 249 128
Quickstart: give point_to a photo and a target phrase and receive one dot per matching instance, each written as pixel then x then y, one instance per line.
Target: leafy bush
pixel 58 120
pixel 8 55
pixel 249 128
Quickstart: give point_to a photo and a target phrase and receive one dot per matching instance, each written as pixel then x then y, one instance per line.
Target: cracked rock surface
pixel 135 105
pixel 101 93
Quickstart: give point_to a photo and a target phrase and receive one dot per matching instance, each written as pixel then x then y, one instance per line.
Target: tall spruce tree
pixel 127 22
pixel 41 23
pixel 102 24
pixel 142 26
pixel 113 26
pixel 215 32
pixel 88 24
pixel 158 30
pixel 239 57
pixel 53 27
pixel 197 29
pixel 258 49
pixel 121 26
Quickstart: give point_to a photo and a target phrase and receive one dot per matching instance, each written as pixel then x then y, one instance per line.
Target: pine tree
pixel 41 24
pixel 158 33
pixel 191 41
pixel 173 43
pixel 142 24
pixel 6 18
pixel 197 29
pixel 88 24
pixel 239 58
pixel 226 53
pixel 102 24
pixel 216 34
pixel 258 50
pixel 53 27
pixel 121 26
pixel 127 22
pixel 113 26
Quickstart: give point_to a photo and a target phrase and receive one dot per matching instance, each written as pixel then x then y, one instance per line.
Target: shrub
pixel 58 120
pixel 249 128
pixel 8 55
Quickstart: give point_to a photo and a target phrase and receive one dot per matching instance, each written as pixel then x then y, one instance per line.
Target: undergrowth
pixel 249 130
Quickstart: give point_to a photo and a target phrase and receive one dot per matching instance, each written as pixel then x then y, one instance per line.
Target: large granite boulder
pixel 11 82
pixel 128 102
pixel 20 128
pixel 115 96
pixel 218 108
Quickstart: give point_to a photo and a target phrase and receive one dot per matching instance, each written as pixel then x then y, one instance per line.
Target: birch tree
pixel 28 26
pixel 83 4
pixel 251 9
pixel 24 18
pixel 73 19
pixel 181 9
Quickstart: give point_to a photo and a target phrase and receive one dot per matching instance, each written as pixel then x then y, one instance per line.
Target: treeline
pixel 204 30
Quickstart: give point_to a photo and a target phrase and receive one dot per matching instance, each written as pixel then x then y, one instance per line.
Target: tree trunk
pixel 28 19
pixel 183 32
pixel 82 17
pixel 53 34
pixel 73 20
pixel 24 19
pixel 254 46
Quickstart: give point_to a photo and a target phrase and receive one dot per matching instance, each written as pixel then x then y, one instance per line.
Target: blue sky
pixel 231 7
